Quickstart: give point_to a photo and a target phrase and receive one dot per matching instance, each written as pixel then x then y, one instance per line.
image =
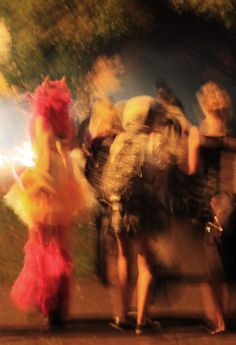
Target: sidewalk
pixel 181 296
pixel 91 300
pixel 93 306
pixel 177 304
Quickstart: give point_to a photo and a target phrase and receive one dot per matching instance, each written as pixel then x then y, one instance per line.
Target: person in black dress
pixel 207 143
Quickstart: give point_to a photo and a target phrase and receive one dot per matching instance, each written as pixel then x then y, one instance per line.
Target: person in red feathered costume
pixel 46 198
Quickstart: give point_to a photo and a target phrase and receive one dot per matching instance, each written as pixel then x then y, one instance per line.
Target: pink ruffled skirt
pixel 44 282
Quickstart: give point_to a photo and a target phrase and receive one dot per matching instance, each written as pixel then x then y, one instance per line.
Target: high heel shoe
pixel 148 326
pixel 214 330
pixel 218 330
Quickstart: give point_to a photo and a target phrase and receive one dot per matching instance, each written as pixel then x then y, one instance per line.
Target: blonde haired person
pixel 104 119
pixel 135 185
pixel 206 146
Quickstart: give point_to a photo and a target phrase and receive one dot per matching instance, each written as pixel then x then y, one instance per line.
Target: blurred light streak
pixel 24 156
pixel 15 146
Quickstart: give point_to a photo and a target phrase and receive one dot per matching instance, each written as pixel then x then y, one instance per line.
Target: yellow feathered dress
pixel 46 198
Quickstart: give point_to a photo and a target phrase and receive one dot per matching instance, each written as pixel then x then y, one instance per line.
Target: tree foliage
pixel 221 10
pixel 59 37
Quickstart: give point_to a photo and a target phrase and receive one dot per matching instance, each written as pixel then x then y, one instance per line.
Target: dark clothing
pixel 220 251
pixel 206 182
pixel 147 209
pixel 82 131
pixel 99 150
pixel 219 246
pixel 135 187
pixel 227 246
pixel 179 191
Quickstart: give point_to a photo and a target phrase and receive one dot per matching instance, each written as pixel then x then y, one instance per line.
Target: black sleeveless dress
pixel 209 174
pixel 219 248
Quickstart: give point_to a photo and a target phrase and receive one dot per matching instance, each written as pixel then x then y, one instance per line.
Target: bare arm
pixel 193 150
pixel 63 151
pixel 42 145
pixel 42 148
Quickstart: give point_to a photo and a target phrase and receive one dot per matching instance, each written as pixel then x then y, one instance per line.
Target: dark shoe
pixel 122 326
pixel 55 320
pixel 149 326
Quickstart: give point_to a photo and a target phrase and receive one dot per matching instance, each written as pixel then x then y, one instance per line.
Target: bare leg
pixel 123 275
pixel 144 281
pixel 212 296
pixel 223 294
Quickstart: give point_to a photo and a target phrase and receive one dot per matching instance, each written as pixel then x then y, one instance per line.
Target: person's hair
pixel 165 134
pixel 156 115
pixel 105 119
pixel 214 99
pixel 159 119
pixel 164 93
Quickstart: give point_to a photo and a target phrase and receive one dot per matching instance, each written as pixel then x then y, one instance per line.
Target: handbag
pixel 214 227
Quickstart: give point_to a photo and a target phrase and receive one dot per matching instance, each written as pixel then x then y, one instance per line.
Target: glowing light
pixel 3 160
pixel 24 156
pixel 15 146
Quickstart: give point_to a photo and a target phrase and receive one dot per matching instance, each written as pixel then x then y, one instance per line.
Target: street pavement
pixel 93 307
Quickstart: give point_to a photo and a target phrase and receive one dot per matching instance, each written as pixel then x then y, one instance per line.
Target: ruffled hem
pixel 38 199
pixel 43 283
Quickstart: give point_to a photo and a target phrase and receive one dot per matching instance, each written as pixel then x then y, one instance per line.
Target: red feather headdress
pixel 51 100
